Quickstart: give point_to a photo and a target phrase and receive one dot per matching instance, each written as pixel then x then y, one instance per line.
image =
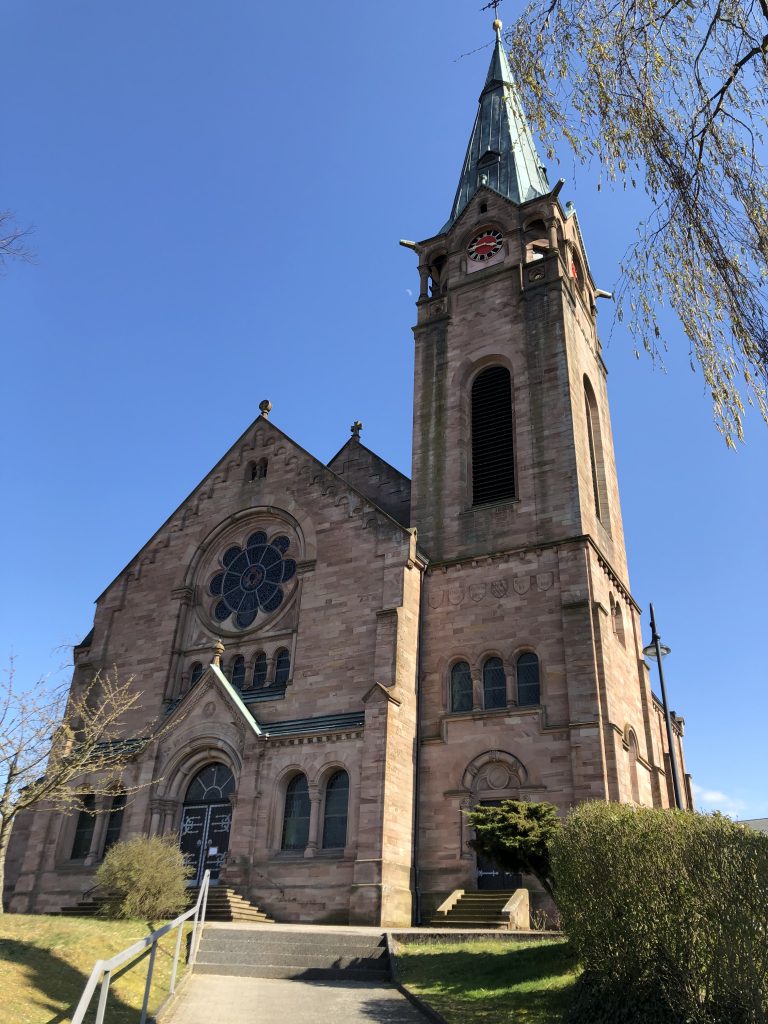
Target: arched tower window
pixel 335 814
pixel 595 451
pixel 493 463
pixel 632 751
pixel 528 682
pixel 260 670
pixel 461 687
pixel 296 815
pixel 618 623
pixel 194 675
pixel 258 470
pixel 282 667
pixel 494 684
pixel 237 675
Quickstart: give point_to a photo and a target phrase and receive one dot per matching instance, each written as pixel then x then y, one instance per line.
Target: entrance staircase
pixel 476 910
pixel 224 904
pixel 294 953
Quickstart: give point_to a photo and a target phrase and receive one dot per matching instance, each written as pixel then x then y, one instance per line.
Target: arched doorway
pixel 490 778
pixel 206 819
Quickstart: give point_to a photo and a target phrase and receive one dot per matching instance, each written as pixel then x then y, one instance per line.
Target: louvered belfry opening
pixel 493 462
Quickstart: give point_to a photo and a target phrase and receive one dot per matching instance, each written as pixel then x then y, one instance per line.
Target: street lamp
pixel 657 651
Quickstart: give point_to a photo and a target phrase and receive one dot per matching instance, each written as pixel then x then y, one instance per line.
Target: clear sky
pixel 217 191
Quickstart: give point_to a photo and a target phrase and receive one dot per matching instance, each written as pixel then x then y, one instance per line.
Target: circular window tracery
pixel 250 579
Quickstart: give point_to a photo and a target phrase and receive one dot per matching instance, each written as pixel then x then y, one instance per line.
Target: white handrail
pixel 103 969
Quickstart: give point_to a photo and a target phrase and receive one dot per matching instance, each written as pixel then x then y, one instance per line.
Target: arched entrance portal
pixel 206 819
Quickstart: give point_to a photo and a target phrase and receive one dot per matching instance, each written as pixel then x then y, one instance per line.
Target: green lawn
pixel 45 963
pixel 491 982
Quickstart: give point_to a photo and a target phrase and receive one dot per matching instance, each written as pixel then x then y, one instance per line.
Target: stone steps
pixel 275 953
pixel 223 904
pixel 475 910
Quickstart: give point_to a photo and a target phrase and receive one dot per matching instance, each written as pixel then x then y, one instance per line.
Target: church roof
pixel 501 153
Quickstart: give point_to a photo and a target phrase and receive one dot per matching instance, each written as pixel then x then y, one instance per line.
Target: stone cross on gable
pixel 356 427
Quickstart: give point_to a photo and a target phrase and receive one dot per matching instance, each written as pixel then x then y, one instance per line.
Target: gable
pixel 368 473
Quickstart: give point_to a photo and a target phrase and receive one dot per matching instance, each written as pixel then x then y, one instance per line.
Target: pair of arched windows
pixel 495 683
pixel 86 825
pixel 296 813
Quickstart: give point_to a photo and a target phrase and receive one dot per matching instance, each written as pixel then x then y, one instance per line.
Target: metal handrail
pixel 104 969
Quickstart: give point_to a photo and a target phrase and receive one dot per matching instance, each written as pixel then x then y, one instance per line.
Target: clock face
pixel 485 245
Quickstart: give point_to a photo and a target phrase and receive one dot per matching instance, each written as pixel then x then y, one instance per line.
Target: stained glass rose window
pixel 251 578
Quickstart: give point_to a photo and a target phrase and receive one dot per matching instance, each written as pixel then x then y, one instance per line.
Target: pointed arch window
pixel 237 676
pixel 282 667
pixel 335 813
pixel 461 687
pixel 194 675
pixel 493 462
pixel 296 815
pixel 260 670
pixel 528 680
pixel 633 776
pixel 494 684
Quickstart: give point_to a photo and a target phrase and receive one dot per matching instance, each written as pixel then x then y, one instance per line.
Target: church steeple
pixel 501 153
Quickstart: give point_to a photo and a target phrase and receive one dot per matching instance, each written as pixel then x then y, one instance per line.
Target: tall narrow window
pixel 194 675
pixel 528 683
pixel 238 672
pixel 282 667
pixel 260 670
pixel 494 684
pixel 493 463
pixel 115 822
pixel 86 823
pixel 296 816
pixel 595 450
pixel 633 779
pixel 335 814
pixel 461 687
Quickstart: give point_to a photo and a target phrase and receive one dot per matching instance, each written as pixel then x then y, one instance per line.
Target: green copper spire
pixel 501 152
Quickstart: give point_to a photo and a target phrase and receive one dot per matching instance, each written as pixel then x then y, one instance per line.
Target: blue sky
pixel 217 192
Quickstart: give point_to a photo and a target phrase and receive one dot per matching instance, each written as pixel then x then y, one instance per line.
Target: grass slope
pixel 45 963
pixel 491 982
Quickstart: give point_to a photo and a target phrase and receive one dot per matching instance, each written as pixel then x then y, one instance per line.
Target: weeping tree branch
pixel 671 97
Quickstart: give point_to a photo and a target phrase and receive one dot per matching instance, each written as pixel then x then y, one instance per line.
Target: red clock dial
pixel 485 245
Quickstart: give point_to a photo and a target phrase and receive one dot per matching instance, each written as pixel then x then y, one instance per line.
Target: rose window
pixel 251 578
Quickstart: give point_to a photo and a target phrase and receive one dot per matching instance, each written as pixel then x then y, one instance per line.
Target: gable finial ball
pixel 266 407
pixel 497 25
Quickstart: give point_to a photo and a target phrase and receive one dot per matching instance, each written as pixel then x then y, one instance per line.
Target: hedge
pixel 668 914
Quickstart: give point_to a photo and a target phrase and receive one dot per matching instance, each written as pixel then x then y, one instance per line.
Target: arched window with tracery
pixel 237 674
pixel 212 784
pixel 528 680
pixel 282 667
pixel 296 814
pixel 335 812
pixel 494 684
pixel 260 670
pixel 461 687
pixel 493 462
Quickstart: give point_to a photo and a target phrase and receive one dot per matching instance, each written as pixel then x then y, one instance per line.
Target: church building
pixel 355 658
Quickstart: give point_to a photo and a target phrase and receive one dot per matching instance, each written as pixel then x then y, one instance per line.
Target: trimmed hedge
pixel 668 913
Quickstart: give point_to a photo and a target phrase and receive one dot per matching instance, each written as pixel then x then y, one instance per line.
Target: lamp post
pixel 656 650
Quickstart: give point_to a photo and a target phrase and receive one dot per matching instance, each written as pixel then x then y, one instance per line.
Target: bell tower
pixel 533 684
pixel 512 439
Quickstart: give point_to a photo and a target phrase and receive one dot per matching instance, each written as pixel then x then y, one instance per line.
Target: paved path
pixel 214 999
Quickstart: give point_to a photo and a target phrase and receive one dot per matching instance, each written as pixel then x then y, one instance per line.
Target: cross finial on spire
pixel 356 427
pixel 497 26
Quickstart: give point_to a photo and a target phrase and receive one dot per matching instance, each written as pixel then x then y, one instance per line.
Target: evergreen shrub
pixel 668 913
pixel 144 877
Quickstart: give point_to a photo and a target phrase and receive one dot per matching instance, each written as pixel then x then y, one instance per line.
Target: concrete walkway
pixel 213 999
